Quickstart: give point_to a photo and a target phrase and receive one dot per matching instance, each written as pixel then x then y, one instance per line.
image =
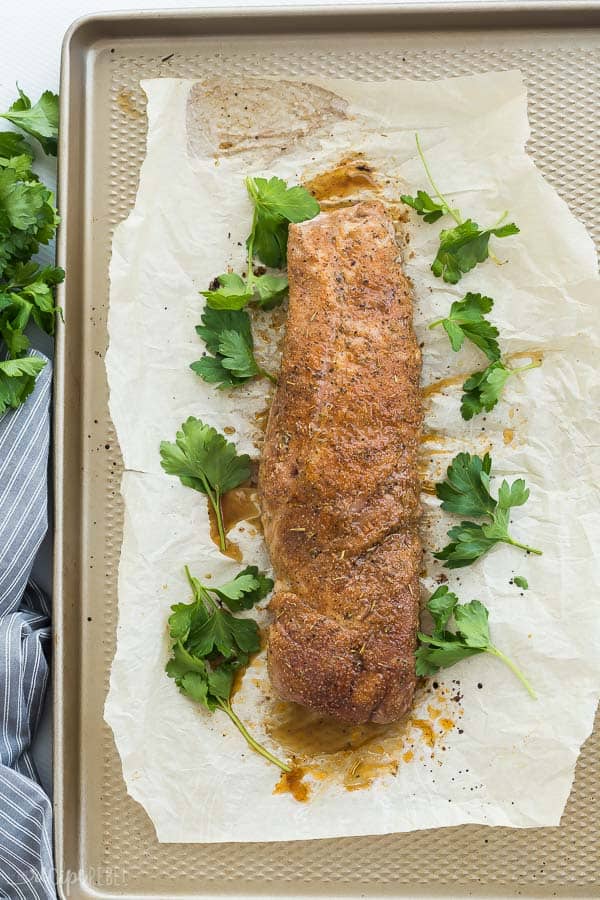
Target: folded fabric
pixel 26 862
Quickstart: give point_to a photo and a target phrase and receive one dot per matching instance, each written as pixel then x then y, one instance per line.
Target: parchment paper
pixel 505 758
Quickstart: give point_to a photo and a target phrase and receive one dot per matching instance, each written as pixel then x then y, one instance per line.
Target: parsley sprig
pixel 28 219
pixel 210 644
pixel 466 321
pixel 206 461
pixel 227 334
pixel 463 246
pixel 482 390
pixel 443 648
pixel 40 120
pixel 275 206
pixel 466 492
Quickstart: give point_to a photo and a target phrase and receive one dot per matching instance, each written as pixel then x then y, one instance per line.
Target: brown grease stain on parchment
pixel 353 179
pixel 438 387
pixel 258 116
pixel 237 505
pixel 325 751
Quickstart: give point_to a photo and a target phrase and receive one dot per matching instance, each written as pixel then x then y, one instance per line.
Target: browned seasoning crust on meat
pixel 338 477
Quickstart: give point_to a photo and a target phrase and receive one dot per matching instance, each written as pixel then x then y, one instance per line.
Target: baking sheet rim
pixel 237 16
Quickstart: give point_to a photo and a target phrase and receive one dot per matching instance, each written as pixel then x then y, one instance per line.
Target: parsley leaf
pixel 210 645
pixel 424 205
pixel 20 165
pixel 249 586
pixel 211 370
pixel 216 321
pixel 204 460
pixel 521 582
pixel 271 290
pixel 471 636
pixel 228 336
pixel 233 293
pixel 237 355
pixel 39 120
pixel 467 321
pixel 441 606
pixel 482 390
pixel 17 380
pixel 466 492
pixel 275 206
pixel 468 543
pixel 223 634
pixel 13 145
pixel 210 630
pixel 275 198
pixel 463 246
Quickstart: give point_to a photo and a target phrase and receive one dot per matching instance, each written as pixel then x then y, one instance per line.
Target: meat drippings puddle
pixel 438 387
pixel 325 752
pixel 238 505
pixel 351 175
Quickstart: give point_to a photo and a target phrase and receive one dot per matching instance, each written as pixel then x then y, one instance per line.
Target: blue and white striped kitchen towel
pixel 26 864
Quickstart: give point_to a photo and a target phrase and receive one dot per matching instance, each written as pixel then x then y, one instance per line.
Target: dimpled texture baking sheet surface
pixel 106 844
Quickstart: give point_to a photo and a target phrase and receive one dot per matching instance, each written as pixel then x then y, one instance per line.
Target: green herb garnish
pixel 275 206
pixel 231 293
pixel 210 645
pixel 39 120
pixel 443 648
pixel 228 337
pixel 521 582
pixel 424 205
pixel 13 146
pixel 466 492
pixel 28 218
pixel 204 460
pixel 482 390
pixel 462 246
pixel 467 321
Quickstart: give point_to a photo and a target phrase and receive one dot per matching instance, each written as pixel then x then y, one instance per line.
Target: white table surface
pixel 32 33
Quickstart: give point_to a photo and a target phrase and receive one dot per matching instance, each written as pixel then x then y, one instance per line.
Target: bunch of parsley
pixel 28 218
pixel 463 246
pixel 209 644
